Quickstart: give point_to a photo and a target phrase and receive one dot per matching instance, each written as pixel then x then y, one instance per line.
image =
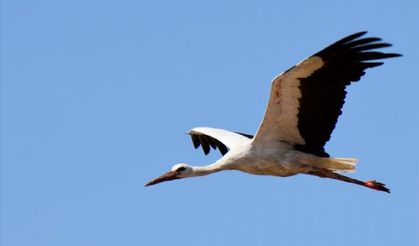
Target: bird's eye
pixel 180 169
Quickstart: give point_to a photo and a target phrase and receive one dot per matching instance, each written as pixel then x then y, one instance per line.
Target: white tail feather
pixel 338 164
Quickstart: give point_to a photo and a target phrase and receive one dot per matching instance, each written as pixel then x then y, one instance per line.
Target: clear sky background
pixel 96 97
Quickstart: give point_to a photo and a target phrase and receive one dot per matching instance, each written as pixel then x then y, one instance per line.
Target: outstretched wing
pixel 217 138
pixel 306 100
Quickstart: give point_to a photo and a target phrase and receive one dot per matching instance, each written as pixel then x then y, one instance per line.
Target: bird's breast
pixel 264 166
pixel 270 160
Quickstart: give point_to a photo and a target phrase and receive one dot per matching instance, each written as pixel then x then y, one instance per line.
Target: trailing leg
pixel 372 184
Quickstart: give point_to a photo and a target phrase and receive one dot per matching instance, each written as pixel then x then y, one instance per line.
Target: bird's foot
pixel 373 184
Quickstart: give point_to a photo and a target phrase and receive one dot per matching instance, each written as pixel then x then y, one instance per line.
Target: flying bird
pixel 304 105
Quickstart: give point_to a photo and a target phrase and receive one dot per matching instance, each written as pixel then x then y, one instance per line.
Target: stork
pixel 304 105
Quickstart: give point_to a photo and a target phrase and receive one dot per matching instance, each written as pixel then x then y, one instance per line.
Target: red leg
pixel 372 184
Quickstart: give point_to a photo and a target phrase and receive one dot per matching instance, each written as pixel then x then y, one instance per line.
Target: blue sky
pixel 96 97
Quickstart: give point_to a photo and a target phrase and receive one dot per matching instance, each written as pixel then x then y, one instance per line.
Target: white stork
pixel 305 103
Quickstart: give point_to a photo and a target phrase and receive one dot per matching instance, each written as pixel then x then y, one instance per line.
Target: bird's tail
pixel 346 165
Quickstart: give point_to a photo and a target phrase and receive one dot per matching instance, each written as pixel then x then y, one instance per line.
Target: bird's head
pixel 178 171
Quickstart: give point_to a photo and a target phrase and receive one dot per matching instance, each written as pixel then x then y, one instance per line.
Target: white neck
pixel 205 170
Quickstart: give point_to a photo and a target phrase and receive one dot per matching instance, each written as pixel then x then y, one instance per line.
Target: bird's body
pixel 302 111
pixel 276 159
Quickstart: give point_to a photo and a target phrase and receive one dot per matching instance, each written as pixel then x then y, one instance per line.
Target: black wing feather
pixel 323 92
pixel 246 135
pixel 204 143
pixel 195 141
pixel 212 143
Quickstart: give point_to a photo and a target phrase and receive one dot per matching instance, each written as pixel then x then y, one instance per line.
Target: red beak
pixel 171 175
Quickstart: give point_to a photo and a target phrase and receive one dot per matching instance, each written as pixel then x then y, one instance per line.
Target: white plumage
pixel 305 103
